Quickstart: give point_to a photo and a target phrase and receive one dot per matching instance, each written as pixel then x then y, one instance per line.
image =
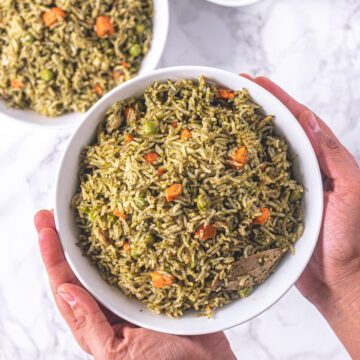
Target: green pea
pixel 203 202
pixel 141 203
pixel 28 39
pixel 111 218
pixel 88 212
pixel 105 44
pixel 140 28
pixel 135 50
pixel 47 75
pixel 245 292
pixel 150 128
pixel 134 254
pixel 295 195
pixel 149 240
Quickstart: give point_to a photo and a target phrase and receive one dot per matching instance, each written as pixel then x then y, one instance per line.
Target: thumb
pixel 334 159
pixel 90 322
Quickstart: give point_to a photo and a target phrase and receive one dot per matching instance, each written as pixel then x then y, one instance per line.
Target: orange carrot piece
pixel 116 74
pixel 262 167
pixel 98 90
pixel 208 308
pixel 125 64
pixel 160 171
pixel 160 280
pixel 117 213
pixel 173 192
pixel 262 218
pixel 174 125
pixel 241 157
pixel 49 18
pixel 128 138
pixel 104 26
pixel 157 281
pixel 16 84
pixel 208 232
pixel 126 246
pixel 185 135
pixel 225 94
pixel 168 280
pixel 151 157
pixel 52 16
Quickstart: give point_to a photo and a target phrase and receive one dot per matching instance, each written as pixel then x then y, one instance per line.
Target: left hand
pixel 100 332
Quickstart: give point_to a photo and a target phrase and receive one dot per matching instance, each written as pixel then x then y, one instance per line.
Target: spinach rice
pixel 61 56
pixel 167 201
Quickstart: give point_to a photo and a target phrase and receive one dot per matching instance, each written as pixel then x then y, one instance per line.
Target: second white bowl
pixel 160 31
pixel 234 3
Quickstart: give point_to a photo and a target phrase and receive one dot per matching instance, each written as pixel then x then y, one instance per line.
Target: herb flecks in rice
pixel 116 179
pixel 67 66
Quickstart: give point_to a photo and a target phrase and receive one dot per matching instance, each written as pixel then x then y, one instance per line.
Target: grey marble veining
pixel 311 48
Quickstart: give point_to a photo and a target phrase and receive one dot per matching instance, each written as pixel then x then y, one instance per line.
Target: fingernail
pixel 67 297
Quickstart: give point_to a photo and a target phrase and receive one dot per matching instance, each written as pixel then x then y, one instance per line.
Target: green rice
pixel 114 176
pixel 59 66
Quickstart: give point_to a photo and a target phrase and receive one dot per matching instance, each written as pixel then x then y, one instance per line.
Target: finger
pixel 92 323
pixel 58 272
pixel 57 267
pixel 44 219
pixel 334 159
pixel 247 76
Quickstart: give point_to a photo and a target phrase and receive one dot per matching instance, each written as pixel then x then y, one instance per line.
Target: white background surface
pixel 311 48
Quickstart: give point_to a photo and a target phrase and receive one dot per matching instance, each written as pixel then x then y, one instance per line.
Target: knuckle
pixel 332 143
pixel 80 322
pixel 113 349
pixel 109 347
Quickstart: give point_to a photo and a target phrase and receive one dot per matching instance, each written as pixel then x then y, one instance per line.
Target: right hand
pixel 331 281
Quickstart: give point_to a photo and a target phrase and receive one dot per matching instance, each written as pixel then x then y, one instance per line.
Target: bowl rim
pixel 290 281
pixel 234 3
pixel 71 120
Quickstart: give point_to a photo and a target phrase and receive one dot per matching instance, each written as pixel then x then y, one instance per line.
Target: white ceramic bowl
pixel 265 295
pixel 234 3
pixel 160 31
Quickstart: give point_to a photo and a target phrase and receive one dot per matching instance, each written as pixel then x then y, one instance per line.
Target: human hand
pixel 331 281
pixel 100 332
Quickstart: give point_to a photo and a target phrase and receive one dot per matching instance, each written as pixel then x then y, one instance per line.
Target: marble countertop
pixel 311 48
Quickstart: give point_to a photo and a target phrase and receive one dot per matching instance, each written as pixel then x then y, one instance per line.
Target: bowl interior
pixel 307 171
pixel 160 31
